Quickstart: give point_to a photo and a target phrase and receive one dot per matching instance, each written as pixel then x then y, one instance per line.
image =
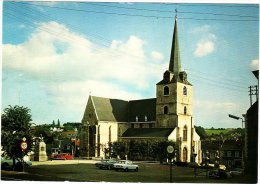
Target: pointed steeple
pixel 175 60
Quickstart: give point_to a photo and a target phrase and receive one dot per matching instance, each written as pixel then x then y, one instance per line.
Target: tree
pixel 16 125
pixel 58 124
pixel 53 123
pixel 201 131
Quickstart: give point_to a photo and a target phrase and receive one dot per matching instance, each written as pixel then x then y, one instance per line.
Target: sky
pixel 55 54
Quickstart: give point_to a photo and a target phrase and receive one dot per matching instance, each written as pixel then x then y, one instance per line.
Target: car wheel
pixel 136 169
pixel 126 169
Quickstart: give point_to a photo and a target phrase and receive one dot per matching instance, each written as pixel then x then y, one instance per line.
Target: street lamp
pixel 88 139
pixel 75 148
pixel 243 120
pixel 237 118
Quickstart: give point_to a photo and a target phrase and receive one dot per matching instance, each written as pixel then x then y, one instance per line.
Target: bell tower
pixel 174 101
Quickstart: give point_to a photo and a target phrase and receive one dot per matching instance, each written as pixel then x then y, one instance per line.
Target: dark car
pixel 101 162
pixel 107 165
pixel 218 174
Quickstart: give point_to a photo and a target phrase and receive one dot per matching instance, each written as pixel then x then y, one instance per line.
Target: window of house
pixel 212 155
pixel 166 91
pixel 136 118
pixel 141 125
pixel 237 154
pixel 119 131
pixel 132 125
pixel 185 110
pixel 165 110
pixel 145 118
pixel 185 133
pixel 229 154
pixel 184 90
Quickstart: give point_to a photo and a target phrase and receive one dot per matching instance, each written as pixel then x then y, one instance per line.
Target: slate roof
pixel 147 132
pixel 124 111
pixel 110 109
pixel 142 108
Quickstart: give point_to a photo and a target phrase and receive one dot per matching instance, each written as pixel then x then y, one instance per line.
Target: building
pixel 228 154
pixel 167 117
pixel 251 136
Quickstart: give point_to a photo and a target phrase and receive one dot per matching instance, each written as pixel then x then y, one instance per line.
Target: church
pixel 166 117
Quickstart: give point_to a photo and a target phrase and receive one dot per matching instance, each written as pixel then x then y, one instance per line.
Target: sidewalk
pixel 59 162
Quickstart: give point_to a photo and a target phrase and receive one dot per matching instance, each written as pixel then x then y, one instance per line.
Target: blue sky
pixel 56 53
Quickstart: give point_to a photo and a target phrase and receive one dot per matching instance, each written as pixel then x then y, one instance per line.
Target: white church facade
pixel 166 117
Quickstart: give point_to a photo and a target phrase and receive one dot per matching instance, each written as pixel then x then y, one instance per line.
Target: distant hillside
pixel 217 131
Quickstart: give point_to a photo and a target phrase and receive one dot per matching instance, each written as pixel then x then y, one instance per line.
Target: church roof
pixel 124 111
pixel 142 108
pixel 147 132
pixel 110 109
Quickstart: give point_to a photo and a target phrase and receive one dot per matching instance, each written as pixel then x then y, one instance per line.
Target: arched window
pixel 109 134
pixel 166 90
pixel 184 90
pixel 145 118
pixel 165 110
pixel 185 110
pixel 185 133
pixel 136 118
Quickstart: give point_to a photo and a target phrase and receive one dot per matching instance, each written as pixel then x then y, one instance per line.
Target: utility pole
pixel 253 90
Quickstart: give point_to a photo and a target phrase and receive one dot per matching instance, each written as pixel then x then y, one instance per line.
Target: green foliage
pixel 201 131
pixel 71 126
pixel 142 149
pixel 15 126
pixel 45 132
pixel 58 124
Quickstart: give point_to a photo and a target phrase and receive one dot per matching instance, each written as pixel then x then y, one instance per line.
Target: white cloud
pixel 204 47
pixel 254 65
pixel 206 44
pixel 201 29
pixel 72 65
pixel 157 56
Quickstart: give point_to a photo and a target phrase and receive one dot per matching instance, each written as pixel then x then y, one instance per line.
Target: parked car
pixel 7 163
pixel 109 164
pixel 62 156
pixel 218 174
pixel 125 165
pixel 97 164
pixel 236 172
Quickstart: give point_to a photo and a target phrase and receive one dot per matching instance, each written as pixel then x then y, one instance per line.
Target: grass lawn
pixel 216 131
pixel 86 171
pixel 89 173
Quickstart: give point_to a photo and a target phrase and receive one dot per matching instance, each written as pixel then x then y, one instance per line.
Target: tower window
pixel 185 110
pixel 165 110
pixel 184 90
pixel 166 90
pixel 185 133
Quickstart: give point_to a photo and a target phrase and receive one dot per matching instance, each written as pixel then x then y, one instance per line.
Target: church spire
pixel 175 60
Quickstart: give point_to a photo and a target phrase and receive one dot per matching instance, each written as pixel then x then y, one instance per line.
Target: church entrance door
pixel 184 154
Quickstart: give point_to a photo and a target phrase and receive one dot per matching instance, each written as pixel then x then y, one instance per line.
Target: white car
pixel 125 165
pixel 7 162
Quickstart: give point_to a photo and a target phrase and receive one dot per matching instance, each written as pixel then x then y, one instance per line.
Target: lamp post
pixel 207 162
pixel 243 120
pixel 237 118
pixel 88 139
pixel 75 147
